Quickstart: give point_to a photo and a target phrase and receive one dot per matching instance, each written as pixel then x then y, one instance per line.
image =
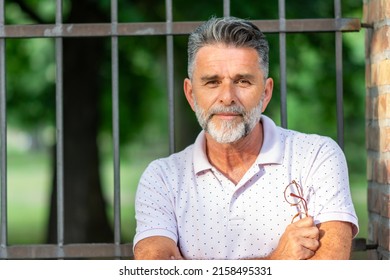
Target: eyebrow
pixel 244 76
pixel 207 78
pixel 236 77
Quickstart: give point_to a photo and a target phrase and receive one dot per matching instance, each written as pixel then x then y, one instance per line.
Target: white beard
pixel 229 131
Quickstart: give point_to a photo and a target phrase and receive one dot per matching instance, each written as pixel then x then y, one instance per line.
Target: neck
pixel 234 159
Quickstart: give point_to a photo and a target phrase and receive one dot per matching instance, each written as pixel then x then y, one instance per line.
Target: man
pixel 234 193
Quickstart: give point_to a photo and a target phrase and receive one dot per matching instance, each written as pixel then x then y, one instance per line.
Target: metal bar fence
pixel 59 30
pixel 170 74
pixel 3 141
pixel 115 125
pixel 283 62
pixel 59 134
pixel 226 8
pixel 339 77
pixel 178 28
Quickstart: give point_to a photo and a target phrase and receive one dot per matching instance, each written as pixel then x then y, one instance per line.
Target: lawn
pixel 29 181
pixel 28 196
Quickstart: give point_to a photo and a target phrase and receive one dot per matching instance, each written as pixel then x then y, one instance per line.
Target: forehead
pixel 222 50
pixel 220 57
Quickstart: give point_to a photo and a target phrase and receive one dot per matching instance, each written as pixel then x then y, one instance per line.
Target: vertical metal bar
pixel 170 76
pixel 226 8
pixel 59 133
pixel 283 62
pixel 3 141
pixel 115 121
pixel 339 78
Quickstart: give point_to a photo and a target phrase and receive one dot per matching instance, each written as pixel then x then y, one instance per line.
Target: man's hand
pixel 300 241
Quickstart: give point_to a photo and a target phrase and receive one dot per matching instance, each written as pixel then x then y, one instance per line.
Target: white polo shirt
pixel 185 198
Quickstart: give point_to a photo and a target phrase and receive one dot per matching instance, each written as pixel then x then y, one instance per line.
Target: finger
pixel 304 222
pixel 310 244
pixel 302 230
pixel 305 249
pixel 311 232
pixel 307 254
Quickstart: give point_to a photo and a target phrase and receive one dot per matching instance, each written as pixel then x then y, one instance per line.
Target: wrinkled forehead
pixel 218 55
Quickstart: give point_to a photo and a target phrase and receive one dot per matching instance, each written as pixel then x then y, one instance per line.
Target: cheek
pixel 250 100
pixel 205 100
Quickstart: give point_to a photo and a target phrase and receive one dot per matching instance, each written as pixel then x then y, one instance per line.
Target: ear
pixel 188 92
pixel 269 86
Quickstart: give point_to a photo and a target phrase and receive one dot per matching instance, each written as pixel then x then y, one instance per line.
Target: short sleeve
pixel 329 194
pixel 154 207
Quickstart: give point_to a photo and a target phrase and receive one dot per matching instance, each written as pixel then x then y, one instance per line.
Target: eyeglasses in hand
pixel 293 194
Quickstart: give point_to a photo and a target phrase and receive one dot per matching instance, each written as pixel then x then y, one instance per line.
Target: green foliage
pixel 310 77
pixel 30 81
pixel 142 76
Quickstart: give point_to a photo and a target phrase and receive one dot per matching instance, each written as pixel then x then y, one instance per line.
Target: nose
pixel 227 95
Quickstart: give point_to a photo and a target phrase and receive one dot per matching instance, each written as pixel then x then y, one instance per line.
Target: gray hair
pixel 232 32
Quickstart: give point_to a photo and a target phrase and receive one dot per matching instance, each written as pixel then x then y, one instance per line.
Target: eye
pixel 212 83
pixel 243 82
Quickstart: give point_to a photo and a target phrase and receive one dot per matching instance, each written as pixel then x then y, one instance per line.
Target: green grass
pixel 134 160
pixel 29 189
pixel 28 196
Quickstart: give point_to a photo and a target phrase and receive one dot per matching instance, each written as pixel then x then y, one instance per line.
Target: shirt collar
pixel 271 152
pixel 201 162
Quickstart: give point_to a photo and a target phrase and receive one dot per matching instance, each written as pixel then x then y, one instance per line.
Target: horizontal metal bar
pixel 71 251
pixel 178 28
pixel 360 244
pixel 105 250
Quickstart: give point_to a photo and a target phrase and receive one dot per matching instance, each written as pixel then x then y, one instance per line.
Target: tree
pixel 87 110
pixel 85 211
pixel 85 208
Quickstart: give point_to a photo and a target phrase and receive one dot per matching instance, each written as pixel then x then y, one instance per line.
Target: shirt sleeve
pixel 154 206
pixel 329 193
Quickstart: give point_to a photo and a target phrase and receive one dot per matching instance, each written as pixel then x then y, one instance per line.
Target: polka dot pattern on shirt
pixel 184 198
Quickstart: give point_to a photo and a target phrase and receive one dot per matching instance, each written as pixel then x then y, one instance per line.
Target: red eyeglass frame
pixel 301 203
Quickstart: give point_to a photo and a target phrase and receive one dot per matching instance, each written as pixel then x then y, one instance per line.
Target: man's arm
pixel 332 241
pixel 335 241
pixel 157 248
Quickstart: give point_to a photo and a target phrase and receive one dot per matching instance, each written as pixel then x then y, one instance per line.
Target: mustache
pixel 233 109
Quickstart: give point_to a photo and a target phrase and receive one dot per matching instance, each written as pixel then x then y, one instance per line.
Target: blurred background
pixel 30 73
